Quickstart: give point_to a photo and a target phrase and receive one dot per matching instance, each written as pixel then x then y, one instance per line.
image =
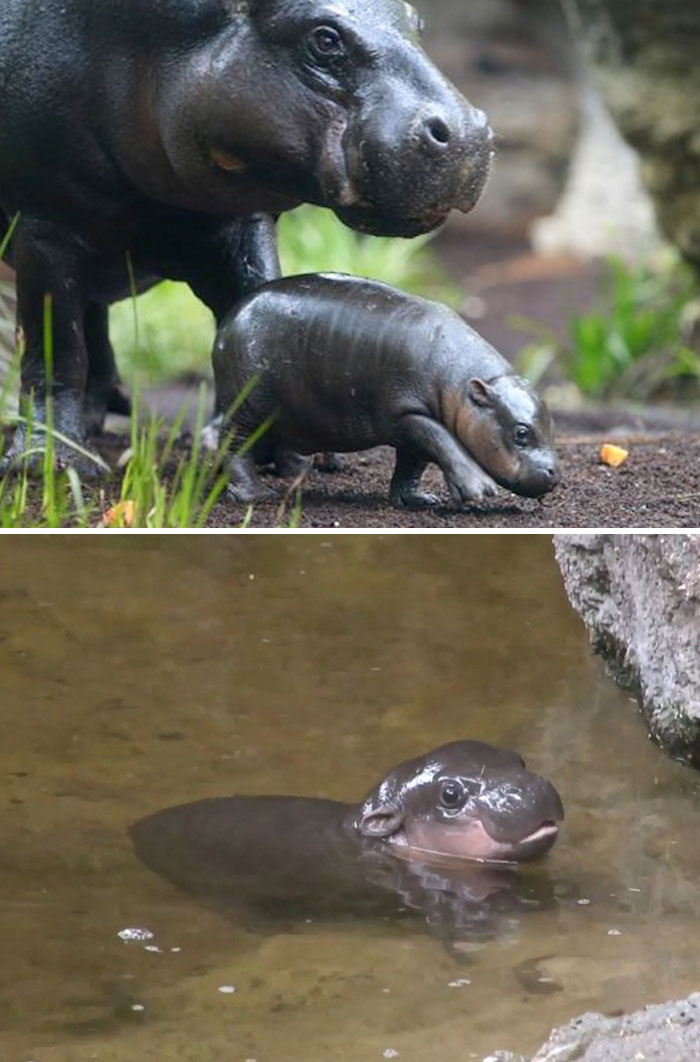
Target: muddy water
pixel 141 673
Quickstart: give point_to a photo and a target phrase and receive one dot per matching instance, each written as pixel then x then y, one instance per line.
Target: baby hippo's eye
pixel 522 435
pixel 451 795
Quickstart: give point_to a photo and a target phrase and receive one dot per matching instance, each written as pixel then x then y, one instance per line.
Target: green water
pixel 143 672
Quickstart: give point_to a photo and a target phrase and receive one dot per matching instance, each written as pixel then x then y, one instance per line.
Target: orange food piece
pixel 121 513
pixel 613 455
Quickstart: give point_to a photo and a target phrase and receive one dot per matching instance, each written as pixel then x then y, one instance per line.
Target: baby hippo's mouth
pixel 537 842
pixel 517 850
pixel 472 841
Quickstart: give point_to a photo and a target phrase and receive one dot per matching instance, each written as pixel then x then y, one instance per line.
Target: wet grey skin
pixel 338 363
pixel 149 139
pixel 439 834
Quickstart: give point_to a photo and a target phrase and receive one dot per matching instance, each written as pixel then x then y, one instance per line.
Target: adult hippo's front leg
pixel 51 299
pixel 220 259
pixel 103 391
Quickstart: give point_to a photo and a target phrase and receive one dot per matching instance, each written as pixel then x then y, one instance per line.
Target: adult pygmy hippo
pixel 341 363
pixel 448 816
pixel 140 138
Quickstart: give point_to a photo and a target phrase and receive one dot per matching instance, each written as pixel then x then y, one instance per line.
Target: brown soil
pixel 658 486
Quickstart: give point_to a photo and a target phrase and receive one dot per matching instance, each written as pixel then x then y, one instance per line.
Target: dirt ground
pixel 658 486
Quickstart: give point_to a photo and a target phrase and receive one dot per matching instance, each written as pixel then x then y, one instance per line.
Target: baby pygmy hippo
pixel 339 363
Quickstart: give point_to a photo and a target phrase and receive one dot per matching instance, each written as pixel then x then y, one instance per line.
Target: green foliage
pixel 164 333
pixel 634 342
pixel 162 491
pixel 168 332
pixel 312 240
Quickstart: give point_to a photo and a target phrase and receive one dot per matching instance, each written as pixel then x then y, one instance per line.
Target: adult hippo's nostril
pixel 436 133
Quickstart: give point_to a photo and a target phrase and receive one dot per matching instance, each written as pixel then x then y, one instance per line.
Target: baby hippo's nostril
pixel 552 473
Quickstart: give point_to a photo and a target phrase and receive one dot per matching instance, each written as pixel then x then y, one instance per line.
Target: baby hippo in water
pixel 339 363
pixel 461 802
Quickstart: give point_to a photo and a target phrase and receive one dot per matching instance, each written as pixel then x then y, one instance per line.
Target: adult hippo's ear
pixel 480 393
pixel 381 821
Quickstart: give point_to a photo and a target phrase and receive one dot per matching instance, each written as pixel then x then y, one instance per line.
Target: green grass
pixel 636 340
pixel 168 332
pixel 161 484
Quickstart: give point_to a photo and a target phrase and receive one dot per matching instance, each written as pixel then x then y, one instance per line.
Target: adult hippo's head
pixel 466 800
pixel 269 103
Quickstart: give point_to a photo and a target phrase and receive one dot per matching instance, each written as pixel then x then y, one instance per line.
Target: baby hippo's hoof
pixel 413 499
pixel 248 495
pixel 290 464
pixel 330 463
pixel 474 489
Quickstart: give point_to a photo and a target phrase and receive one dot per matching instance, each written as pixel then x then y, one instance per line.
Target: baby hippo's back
pixel 338 360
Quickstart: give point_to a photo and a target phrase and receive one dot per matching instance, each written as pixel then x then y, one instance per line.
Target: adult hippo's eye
pixel 522 435
pixel 451 795
pixel 325 43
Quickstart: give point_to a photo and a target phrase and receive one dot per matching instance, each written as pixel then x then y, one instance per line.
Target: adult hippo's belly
pixel 440 834
pixel 145 139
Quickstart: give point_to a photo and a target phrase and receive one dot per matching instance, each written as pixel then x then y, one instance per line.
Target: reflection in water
pixel 145 672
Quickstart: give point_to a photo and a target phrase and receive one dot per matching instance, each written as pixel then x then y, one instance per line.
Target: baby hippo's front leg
pixel 424 439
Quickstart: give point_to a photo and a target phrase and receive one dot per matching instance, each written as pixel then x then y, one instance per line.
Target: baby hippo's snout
pixel 541 474
pixel 519 815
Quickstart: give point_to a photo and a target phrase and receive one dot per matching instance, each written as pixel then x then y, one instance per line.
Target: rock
pixel 605 208
pixel 645 57
pixel 639 597
pixel 663 1032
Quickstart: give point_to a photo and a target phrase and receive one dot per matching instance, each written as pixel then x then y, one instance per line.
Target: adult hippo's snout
pixel 415 148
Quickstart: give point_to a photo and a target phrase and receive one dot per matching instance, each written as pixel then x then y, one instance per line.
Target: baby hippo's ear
pixel 381 821
pixel 480 393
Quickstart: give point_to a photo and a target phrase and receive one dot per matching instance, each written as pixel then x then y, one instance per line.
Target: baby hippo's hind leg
pixel 410 466
pixel 289 463
pixel 244 483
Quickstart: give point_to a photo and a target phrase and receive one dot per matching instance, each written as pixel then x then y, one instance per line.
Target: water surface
pixel 146 672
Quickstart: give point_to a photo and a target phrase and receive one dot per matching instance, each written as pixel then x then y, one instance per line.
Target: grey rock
pixel 639 597
pixel 605 208
pixel 663 1032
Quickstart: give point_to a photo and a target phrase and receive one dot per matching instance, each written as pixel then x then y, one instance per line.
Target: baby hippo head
pixel 466 800
pixel 507 429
